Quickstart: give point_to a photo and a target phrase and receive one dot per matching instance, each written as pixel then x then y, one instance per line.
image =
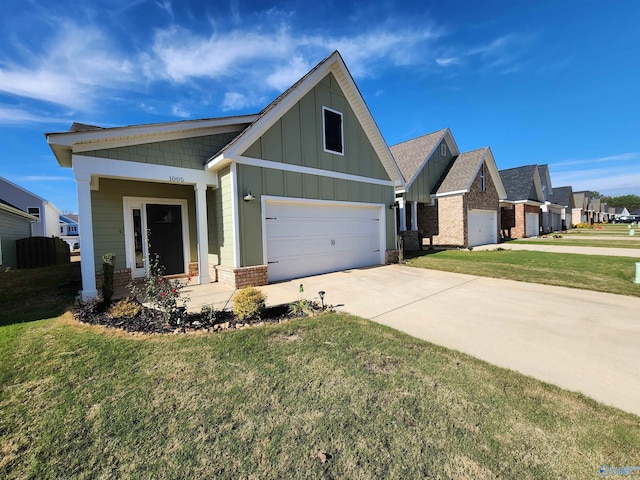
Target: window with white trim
pixel 35 211
pixel 72 228
pixel 443 149
pixel 332 131
pixel 483 183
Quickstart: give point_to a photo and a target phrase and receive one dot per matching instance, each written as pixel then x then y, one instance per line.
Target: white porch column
pixel 202 233
pixel 403 215
pixel 85 227
pixel 414 216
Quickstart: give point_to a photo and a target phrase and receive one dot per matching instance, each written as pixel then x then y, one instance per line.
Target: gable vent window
pixel 332 129
pixel 35 211
pixel 443 149
pixel 483 183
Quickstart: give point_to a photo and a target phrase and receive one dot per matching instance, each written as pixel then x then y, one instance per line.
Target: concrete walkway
pixel 579 340
pixel 614 252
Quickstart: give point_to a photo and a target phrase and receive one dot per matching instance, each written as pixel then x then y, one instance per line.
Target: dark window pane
pixel 332 131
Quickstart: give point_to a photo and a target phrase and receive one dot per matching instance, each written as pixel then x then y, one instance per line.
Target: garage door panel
pixel 532 228
pixel 482 227
pixel 311 238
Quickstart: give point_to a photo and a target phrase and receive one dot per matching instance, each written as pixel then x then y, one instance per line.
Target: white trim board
pixel 85 167
pixel 287 167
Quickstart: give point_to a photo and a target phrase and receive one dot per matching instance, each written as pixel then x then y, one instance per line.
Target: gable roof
pixel 24 190
pixel 464 170
pixel 581 199
pixel 412 155
pixel 563 196
pixel 7 207
pixel 275 110
pixel 522 183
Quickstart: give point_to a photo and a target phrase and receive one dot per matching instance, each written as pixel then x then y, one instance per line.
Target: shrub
pixel 162 293
pixel 248 303
pixel 125 308
pixel 108 264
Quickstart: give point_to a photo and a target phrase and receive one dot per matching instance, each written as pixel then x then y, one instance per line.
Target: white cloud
pixel 610 158
pixel 179 111
pixel 45 178
pixel 17 116
pixel 607 180
pixel 290 73
pixel 234 101
pixel 447 61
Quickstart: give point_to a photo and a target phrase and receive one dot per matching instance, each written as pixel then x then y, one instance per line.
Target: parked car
pixel 627 219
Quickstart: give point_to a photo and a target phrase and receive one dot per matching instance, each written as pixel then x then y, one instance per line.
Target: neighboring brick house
pixel 551 213
pixel 450 199
pixel 580 212
pixel 521 211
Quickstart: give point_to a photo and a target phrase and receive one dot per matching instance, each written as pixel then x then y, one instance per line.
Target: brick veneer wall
pixel 521 227
pixel 446 222
pixel 193 269
pixel 121 277
pixel 391 256
pixel 242 277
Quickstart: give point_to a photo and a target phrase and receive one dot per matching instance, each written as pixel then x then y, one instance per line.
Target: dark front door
pixel 164 223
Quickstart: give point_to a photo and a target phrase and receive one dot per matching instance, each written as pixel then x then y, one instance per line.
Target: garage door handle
pixel 272 262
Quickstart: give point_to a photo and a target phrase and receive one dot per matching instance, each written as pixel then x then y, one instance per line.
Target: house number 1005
pixel 176 179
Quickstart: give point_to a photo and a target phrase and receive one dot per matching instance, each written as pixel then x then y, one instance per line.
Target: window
pixel 35 211
pixel 72 228
pixel 332 129
pixel 61 230
pixel 483 183
pixel 443 149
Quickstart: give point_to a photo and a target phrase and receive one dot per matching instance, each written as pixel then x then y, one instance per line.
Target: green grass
pixel 584 241
pixel 34 294
pixel 79 402
pixel 618 229
pixel 587 272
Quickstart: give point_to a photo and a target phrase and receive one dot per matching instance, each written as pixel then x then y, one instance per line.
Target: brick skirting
pixel 391 256
pixel 121 277
pixel 242 277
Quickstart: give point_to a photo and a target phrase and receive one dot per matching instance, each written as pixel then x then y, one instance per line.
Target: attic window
pixel 443 149
pixel 35 211
pixel 332 129
pixel 483 184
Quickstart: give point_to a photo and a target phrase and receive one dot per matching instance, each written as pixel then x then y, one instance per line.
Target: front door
pixel 164 223
pixel 155 226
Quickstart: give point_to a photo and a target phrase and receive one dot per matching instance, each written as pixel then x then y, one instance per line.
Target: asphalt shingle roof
pixel 563 196
pixel 411 155
pixel 518 182
pixel 462 171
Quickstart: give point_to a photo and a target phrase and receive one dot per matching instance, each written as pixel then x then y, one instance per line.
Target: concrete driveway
pixel 579 340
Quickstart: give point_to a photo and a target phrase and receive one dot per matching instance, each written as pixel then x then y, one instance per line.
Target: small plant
pixel 400 250
pixel 108 264
pixel 208 313
pixel 248 303
pixel 470 248
pixel 162 293
pixel 125 308
pixel 303 307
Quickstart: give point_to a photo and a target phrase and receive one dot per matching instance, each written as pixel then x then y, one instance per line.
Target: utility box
pixel 637 279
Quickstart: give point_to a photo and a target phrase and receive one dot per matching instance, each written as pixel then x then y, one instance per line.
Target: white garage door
pixel 483 227
pixel 306 238
pixel 532 224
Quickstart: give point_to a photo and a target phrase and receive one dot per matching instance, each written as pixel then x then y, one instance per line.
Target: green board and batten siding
pixel 221 242
pixel 108 214
pixel 427 180
pixel 183 153
pixel 297 139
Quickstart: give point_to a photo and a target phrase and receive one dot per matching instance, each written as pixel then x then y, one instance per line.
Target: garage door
pixel 307 238
pixel 483 227
pixel 532 224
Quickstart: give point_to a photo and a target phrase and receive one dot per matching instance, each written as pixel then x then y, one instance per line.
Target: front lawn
pixel 587 272
pixel 584 241
pixel 328 397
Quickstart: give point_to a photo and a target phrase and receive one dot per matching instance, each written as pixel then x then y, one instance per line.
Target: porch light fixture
pixel 393 206
pixel 321 295
pixel 248 197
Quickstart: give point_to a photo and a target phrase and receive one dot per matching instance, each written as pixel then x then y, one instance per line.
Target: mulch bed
pixel 148 320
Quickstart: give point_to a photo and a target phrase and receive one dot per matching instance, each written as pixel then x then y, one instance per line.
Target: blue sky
pixel 554 82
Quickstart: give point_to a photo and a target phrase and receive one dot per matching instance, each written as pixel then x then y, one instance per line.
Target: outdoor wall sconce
pixel 321 295
pixel 393 206
pixel 248 197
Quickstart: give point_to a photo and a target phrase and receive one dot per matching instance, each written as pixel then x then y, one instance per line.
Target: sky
pixel 546 82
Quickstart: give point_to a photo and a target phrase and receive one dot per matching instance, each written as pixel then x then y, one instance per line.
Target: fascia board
pixel 495 175
pixel 449 135
pixel 72 138
pixel 449 194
